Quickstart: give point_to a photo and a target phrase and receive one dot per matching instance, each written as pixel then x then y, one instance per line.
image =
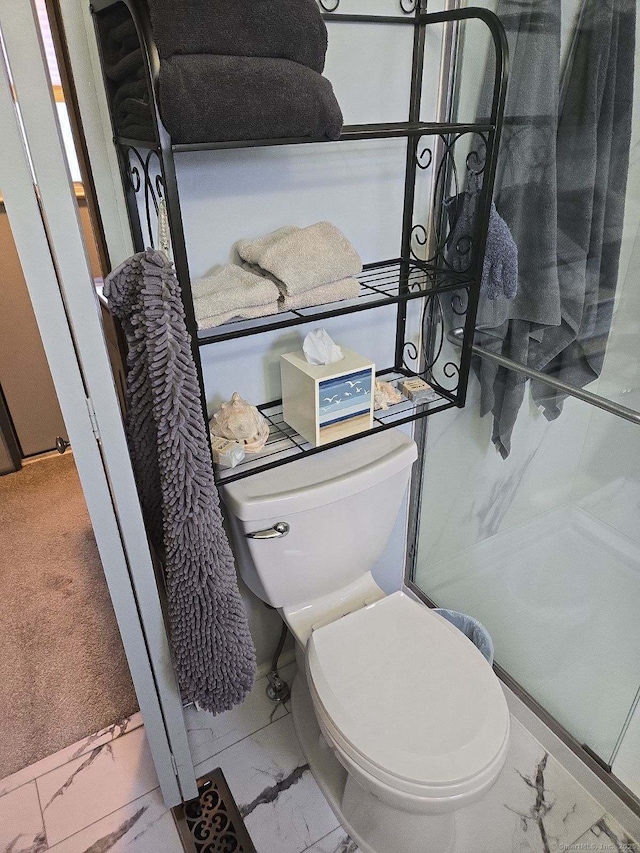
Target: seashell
pixel 241 422
pixel 385 395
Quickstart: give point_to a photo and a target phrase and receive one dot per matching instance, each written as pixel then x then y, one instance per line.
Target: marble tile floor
pixel 101 795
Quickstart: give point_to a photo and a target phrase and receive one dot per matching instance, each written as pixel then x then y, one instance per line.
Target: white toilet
pixel 401 719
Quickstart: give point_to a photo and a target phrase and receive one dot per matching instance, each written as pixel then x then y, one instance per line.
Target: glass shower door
pixel 529 516
pixel 543 549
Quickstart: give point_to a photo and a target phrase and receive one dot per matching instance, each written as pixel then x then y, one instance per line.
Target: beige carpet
pixel 63 672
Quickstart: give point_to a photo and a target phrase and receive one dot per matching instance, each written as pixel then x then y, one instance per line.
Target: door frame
pixel 77 130
pixel 9 436
pixel 42 209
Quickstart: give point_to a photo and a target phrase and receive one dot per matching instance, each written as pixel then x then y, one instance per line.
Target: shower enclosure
pixel 543 546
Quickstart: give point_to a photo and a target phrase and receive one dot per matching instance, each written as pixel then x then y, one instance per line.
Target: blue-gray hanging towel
pixel 212 648
pixel 500 267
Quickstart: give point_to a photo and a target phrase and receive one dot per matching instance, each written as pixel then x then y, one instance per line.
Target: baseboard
pixel 47 454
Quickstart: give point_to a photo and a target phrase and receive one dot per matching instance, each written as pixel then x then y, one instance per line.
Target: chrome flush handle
pixel 281 528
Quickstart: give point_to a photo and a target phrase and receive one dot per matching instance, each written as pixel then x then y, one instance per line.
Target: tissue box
pixel 327 402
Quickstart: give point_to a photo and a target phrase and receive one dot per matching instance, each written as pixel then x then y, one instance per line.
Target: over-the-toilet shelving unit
pixel 421 270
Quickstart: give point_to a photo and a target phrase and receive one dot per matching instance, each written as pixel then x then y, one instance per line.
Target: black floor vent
pixel 212 823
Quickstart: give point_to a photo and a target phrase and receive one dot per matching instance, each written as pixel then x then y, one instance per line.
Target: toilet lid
pixel 409 692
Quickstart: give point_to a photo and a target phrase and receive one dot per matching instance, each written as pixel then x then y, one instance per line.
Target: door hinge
pixel 93 418
pixel 174 764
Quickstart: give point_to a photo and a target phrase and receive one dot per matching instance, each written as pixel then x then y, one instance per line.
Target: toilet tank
pixel 340 506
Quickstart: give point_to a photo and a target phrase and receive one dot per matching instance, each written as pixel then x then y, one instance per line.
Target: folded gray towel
pixel 124 66
pixel 303 258
pixel 346 288
pixel 228 292
pixel 283 29
pixel 206 98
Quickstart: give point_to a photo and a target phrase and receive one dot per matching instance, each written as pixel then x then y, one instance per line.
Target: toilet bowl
pixel 402 720
pixel 409 704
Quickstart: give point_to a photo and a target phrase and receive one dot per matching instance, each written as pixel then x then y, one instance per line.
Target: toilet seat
pixel 404 695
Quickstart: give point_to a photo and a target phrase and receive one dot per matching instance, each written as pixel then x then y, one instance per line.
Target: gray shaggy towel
pixel 212 647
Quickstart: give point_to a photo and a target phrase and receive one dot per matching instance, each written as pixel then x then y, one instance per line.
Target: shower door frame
pixel 447 100
pixel 41 206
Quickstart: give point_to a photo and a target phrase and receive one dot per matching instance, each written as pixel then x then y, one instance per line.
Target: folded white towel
pixel 252 250
pixel 346 288
pixel 232 291
pixel 238 314
pixel 303 258
pixel 256 270
pixel 233 286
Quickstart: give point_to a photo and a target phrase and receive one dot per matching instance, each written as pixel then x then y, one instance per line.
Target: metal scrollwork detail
pixel 410 354
pixel 432 331
pixel 142 180
pixel 408 7
pixel 420 237
pixel 425 359
pixel 134 178
pixel 460 302
pixel 424 157
pixel 417 284
pixel 449 235
pixel 477 158
pixel 451 370
pixel 432 339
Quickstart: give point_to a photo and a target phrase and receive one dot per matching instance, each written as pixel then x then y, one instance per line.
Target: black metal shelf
pixel 350 132
pixel 285 445
pixel 382 284
pixel 422 270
